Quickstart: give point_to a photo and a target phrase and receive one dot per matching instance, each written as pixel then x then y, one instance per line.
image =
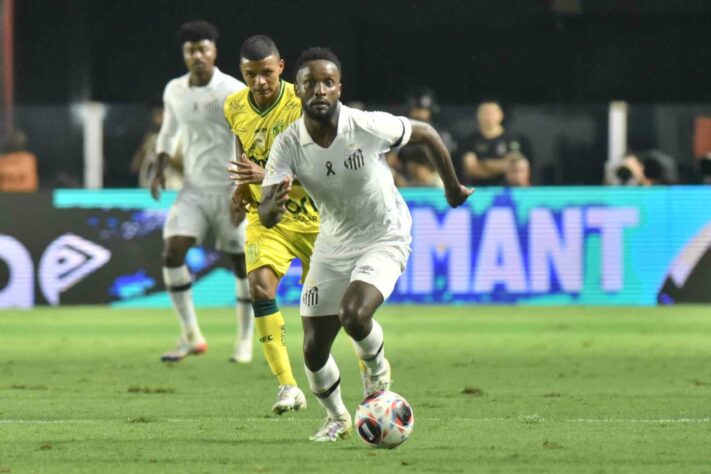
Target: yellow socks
pixel 270 327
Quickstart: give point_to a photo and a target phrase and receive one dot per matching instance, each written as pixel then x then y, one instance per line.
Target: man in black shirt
pixel 484 154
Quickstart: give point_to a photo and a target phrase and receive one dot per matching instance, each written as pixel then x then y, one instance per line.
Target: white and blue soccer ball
pixel 384 420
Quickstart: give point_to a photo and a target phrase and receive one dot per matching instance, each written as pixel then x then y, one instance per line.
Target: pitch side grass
pixel 494 389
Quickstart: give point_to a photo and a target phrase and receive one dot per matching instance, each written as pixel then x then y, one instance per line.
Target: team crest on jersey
pixel 277 128
pixel 355 160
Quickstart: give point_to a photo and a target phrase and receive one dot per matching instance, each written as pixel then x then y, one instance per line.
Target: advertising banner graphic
pixel 536 246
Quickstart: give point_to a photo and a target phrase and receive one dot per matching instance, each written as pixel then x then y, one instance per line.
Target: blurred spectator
pixel 411 165
pixel 630 172
pixel 482 160
pixel 421 172
pixel 659 168
pixel 705 168
pixel 645 169
pixel 18 166
pixel 145 158
pixel 518 170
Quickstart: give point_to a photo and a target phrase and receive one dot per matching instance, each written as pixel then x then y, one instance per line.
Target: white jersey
pixel 195 115
pixel 349 181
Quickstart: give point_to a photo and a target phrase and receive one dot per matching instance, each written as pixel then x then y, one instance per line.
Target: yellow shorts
pixel 276 248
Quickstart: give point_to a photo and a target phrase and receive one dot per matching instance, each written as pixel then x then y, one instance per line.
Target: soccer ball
pixel 384 420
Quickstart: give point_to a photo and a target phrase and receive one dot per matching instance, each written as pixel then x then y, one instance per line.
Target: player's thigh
pixel 186 218
pixel 303 248
pixel 323 290
pixel 229 238
pixel 268 248
pixel 381 267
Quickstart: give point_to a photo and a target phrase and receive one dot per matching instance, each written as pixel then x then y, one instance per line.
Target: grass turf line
pixel 494 389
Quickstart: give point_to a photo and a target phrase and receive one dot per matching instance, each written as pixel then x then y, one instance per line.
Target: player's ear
pixel 281 66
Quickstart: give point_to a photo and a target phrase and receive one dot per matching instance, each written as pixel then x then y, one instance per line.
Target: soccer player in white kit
pixel 193 106
pixel 338 155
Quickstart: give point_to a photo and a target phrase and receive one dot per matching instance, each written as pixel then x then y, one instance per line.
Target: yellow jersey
pixel 257 130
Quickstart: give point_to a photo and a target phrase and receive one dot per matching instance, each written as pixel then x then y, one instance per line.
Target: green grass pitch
pixel 494 390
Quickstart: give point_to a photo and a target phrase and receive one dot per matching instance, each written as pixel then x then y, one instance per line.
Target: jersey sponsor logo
pixel 293 104
pixel 355 160
pixel 236 105
pixel 310 297
pixel 266 338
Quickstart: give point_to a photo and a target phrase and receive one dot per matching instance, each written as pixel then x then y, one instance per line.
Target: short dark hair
pixel 489 100
pixel 198 30
pixel 258 47
pixel 317 54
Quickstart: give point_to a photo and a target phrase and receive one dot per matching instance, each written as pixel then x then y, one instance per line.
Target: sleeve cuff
pixel 406 132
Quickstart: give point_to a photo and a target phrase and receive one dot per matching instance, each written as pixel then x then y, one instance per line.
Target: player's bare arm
pixel 158 181
pixel 274 199
pixel 424 133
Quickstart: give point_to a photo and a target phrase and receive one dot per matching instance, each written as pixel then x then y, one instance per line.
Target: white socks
pixel 370 350
pixel 325 383
pixel 179 283
pixel 245 319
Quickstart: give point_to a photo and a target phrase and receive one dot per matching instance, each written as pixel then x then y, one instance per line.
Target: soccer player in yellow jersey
pixel 257 115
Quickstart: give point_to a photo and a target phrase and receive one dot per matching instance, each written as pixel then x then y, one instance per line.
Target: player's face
pixel 490 114
pixel 199 56
pixel 318 85
pixel 262 76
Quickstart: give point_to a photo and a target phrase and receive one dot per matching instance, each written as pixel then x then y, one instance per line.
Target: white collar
pixel 216 74
pixel 305 136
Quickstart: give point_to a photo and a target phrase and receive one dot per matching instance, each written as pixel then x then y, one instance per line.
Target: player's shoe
pixel 290 397
pixel 243 353
pixel 184 348
pixel 376 383
pixel 334 429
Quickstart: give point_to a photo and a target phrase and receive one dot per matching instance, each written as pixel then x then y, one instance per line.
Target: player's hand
pixel 457 195
pixel 244 171
pixel 241 198
pixel 157 184
pixel 281 195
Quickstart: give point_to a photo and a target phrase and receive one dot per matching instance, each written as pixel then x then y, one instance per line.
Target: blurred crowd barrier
pixel 529 246
pixel 568 144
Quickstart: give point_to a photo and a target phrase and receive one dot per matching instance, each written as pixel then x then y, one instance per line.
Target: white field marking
pixel 640 420
pixel 47 422
pixel 521 419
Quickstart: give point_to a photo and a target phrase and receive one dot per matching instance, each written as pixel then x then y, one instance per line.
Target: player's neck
pixel 323 132
pixel 201 79
pixel 492 132
pixel 264 103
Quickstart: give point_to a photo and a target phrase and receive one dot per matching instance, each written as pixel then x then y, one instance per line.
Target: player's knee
pixel 261 292
pixel 315 355
pixel 354 317
pixel 172 258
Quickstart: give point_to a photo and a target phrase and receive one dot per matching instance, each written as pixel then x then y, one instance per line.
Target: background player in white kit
pixel 337 153
pixel 193 110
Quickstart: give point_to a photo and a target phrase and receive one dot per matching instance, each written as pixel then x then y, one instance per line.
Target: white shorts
pixel 193 214
pixel 328 278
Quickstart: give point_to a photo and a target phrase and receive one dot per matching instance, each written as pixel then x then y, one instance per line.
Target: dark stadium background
pixel 521 51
